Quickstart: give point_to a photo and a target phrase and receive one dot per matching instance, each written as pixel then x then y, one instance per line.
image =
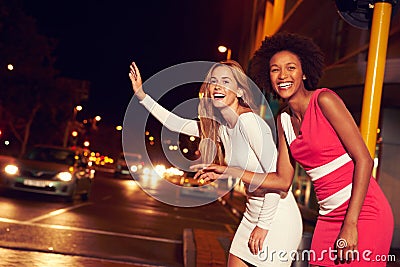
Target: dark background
pixel 97 40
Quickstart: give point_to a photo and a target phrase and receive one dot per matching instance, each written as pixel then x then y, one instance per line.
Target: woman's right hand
pixel 136 80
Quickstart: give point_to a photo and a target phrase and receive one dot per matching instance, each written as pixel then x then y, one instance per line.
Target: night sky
pixel 97 40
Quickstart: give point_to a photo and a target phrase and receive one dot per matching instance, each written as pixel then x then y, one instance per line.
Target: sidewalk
pixel 211 248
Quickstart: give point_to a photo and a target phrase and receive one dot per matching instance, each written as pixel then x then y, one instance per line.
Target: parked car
pixel 51 170
pixel 133 159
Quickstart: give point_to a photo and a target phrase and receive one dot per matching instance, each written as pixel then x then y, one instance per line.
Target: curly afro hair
pixel 310 55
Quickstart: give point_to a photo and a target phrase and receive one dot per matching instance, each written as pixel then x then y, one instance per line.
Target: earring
pixel 304 77
pixel 239 94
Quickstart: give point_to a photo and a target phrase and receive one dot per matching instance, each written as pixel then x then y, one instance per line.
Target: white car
pixel 51 170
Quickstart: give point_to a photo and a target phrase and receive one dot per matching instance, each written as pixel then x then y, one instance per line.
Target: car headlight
pixel 64 176
pixel 11 169
pixel 134 168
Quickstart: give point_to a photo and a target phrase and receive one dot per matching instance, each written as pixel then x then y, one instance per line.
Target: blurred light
pixel 185 150
pixel 64 176
pixel 78 108
pixel 151 138
pixel 97 118
pixel 192 138
pixel 151 143
pixel 146 171
pixel 378 130
pixel 297 192
pixel 11 169
pixel 175 147
pixel 118 128
pixel 6 142
pixel 160 169
pixel 173 171
pixel 134 168
pixel 10 67
pixel 1 132
pixel 222 49
pixel 168 142
pixel 171 147
pixel 86 143
pixel 146 132
pixel 74 133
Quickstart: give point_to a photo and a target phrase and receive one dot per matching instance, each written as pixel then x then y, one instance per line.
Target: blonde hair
pixel 210 118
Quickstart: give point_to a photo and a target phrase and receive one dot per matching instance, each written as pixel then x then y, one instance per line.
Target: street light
pixel 224 49
pixel 71 121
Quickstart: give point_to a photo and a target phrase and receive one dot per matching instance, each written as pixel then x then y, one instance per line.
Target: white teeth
pixel 285 85
pixel 219 95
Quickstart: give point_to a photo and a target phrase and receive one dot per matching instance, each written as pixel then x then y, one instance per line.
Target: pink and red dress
pixel 322 155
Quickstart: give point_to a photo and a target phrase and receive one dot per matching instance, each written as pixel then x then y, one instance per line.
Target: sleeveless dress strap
pixel 287 127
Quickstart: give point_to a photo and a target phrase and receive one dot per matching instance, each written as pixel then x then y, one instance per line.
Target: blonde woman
pixel 240 138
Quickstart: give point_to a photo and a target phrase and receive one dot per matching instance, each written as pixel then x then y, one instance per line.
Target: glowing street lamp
pixel 69 123
pixel 10 67
pixel 223 49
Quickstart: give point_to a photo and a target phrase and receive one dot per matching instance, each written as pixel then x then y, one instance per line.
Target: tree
pixel 30 89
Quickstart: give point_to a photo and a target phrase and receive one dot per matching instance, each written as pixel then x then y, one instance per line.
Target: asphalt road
pixel 120 225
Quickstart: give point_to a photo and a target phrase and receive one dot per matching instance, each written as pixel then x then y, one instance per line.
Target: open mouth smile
pixel 219 96
pixel 285 85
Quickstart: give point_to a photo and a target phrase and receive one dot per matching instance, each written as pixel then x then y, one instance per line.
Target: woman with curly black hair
pixel 355 223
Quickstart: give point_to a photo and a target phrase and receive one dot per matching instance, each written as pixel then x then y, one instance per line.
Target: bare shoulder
pixel 328 100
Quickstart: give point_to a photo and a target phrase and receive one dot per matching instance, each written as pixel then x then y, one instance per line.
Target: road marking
pixel 58 212
pixel 91 231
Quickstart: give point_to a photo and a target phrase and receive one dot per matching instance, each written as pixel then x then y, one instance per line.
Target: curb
pixel 189 248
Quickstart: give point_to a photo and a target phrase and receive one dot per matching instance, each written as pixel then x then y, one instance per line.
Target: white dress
pixel 250 146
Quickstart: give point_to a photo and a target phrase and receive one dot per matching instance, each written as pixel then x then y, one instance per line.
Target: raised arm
pixel 167 118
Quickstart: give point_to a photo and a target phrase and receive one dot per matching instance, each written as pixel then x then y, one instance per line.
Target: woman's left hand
pixel 209 172
pixel 347 243
pixel 256 240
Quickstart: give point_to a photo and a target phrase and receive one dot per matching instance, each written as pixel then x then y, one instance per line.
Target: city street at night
pixel 120 225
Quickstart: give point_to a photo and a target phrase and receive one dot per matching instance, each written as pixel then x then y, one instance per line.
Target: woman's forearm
pixel 269 180
pixel 362 175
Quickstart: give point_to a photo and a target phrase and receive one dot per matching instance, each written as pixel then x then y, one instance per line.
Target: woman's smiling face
pixel 223 87
pixel 286 74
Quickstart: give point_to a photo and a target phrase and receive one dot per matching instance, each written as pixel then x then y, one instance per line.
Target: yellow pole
pixel 375 73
